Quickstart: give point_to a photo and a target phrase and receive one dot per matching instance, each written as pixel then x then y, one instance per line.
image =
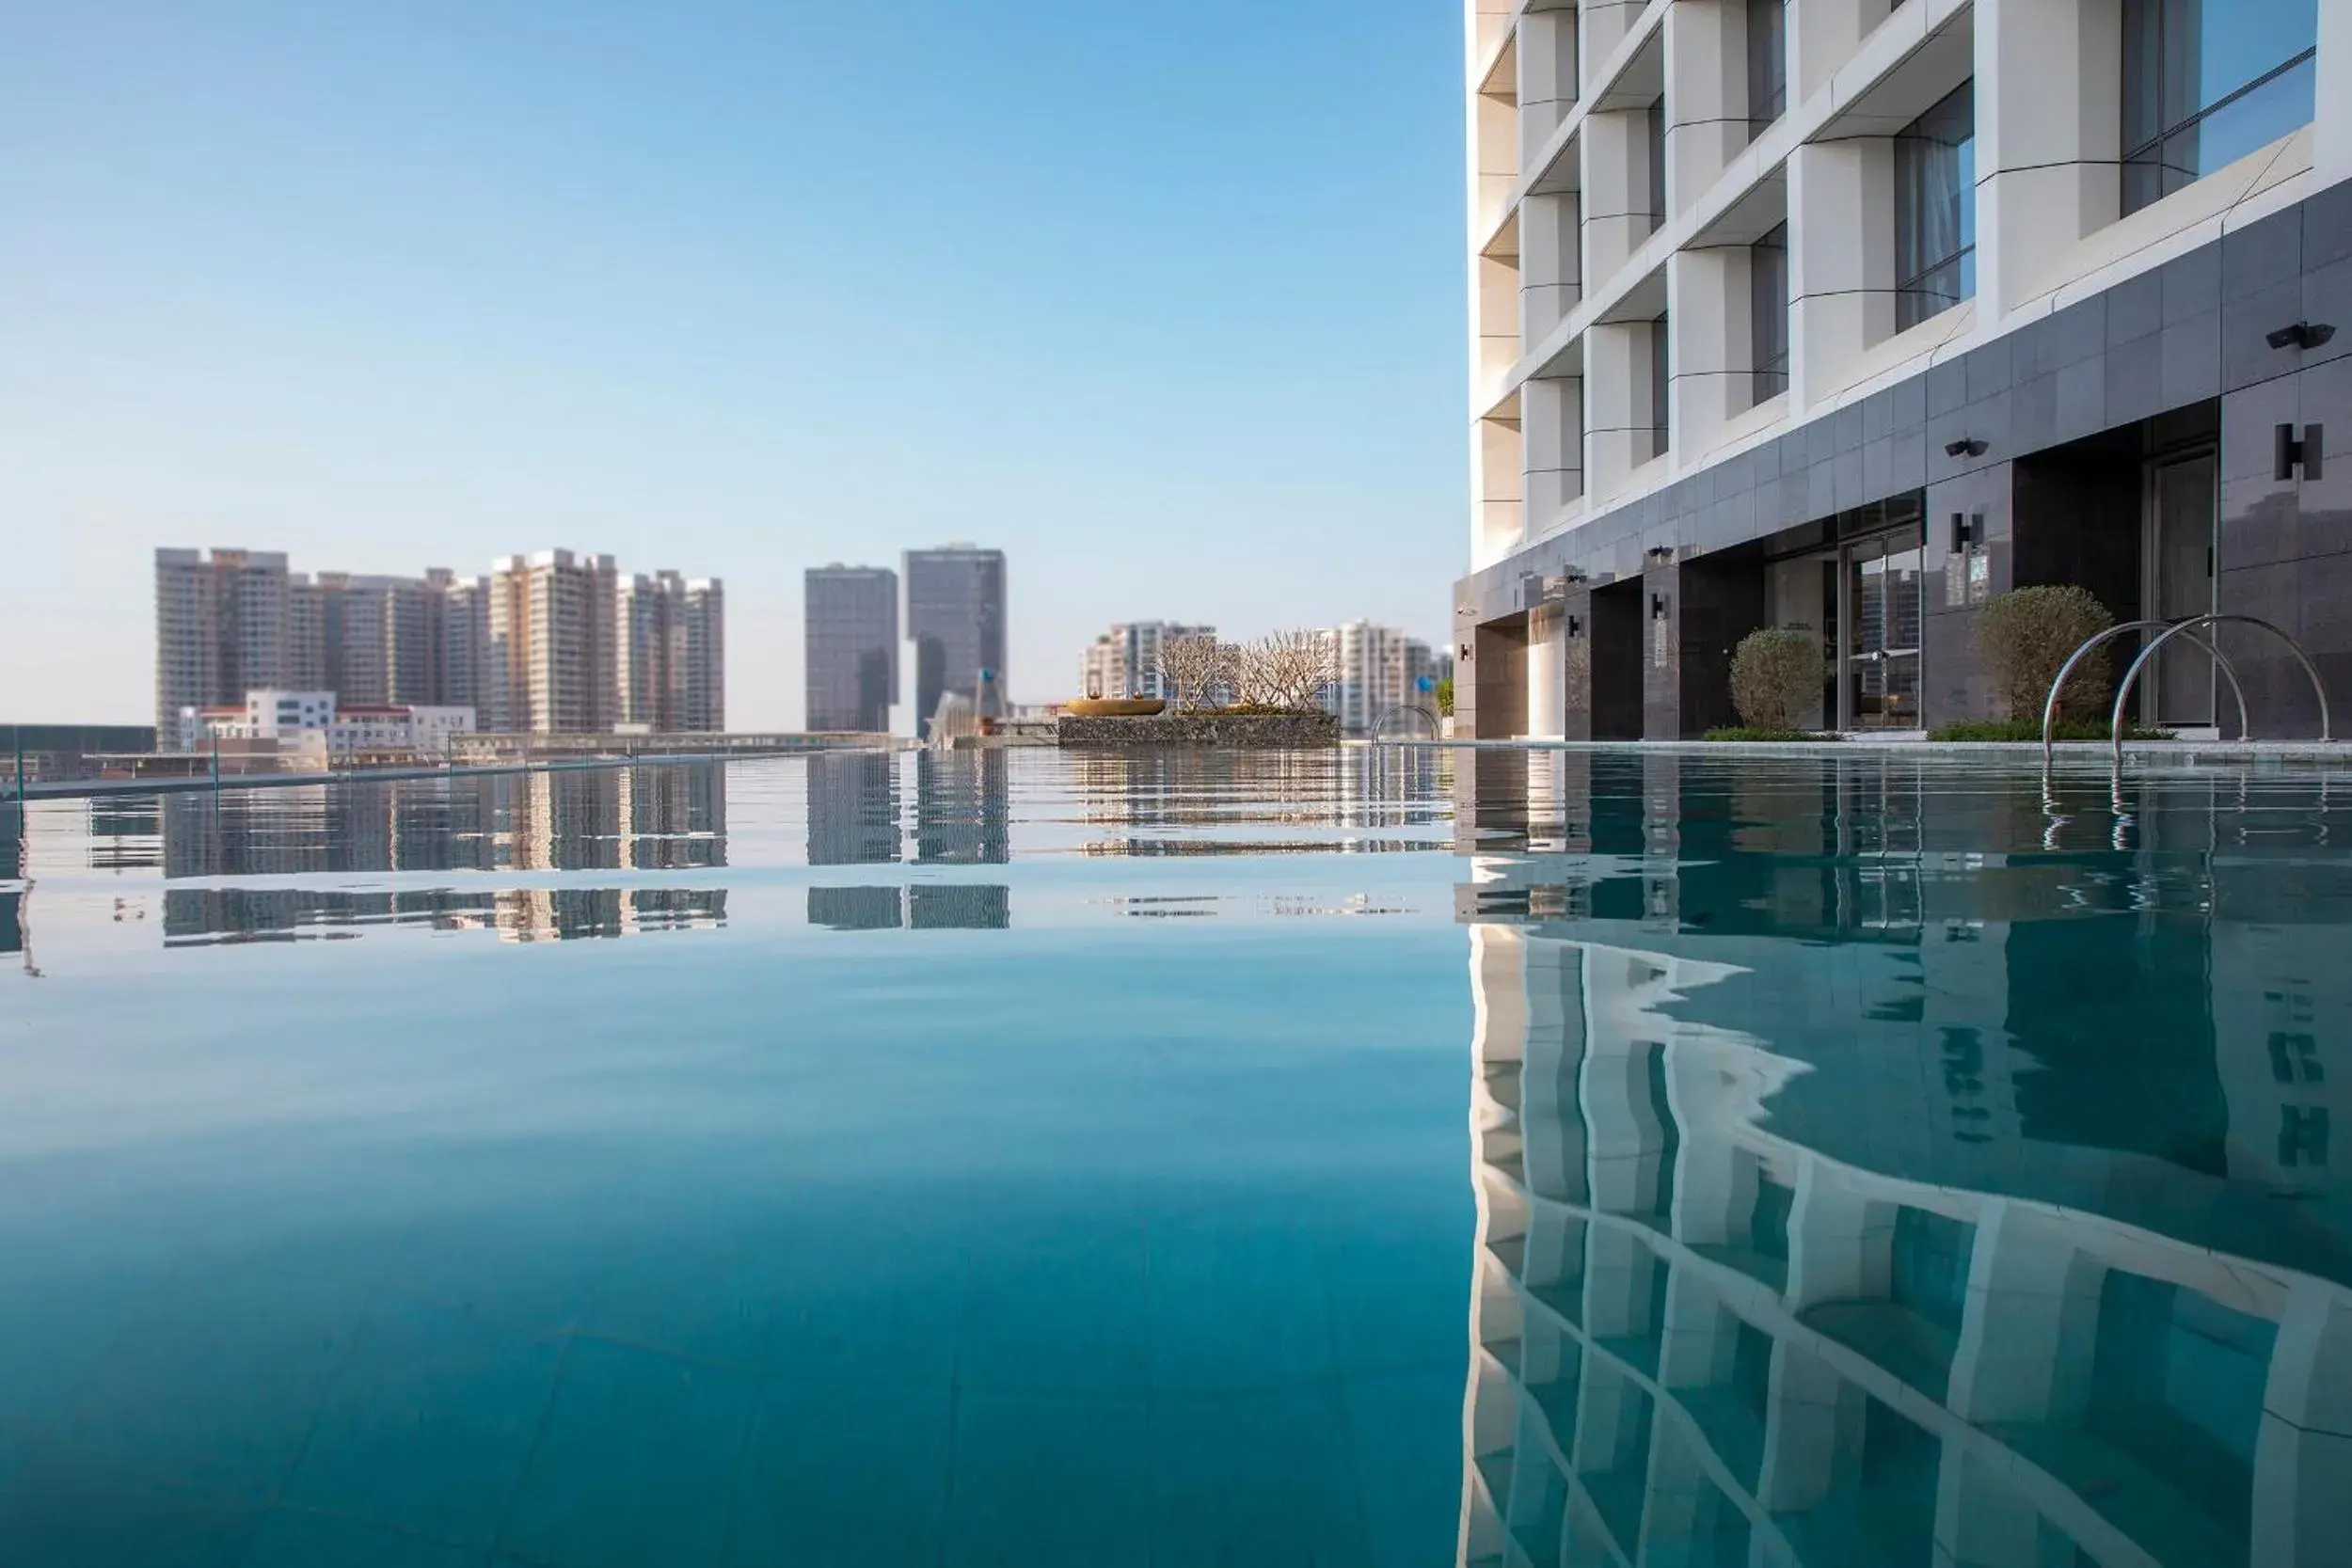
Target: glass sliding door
pixel 1882 627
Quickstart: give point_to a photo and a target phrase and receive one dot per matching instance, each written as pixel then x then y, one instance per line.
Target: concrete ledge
pixel 2170 751
pixel 1259 731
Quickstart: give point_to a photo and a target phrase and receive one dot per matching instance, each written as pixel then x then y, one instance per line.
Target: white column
pixel 2049 119
pixel 1822 36
pixel 2331 133
pixel 1707 95
pixel 1603 25
pixel 1554 430
pixel 1714 361
pixel 1616 190
pixel 1841 261
pixel 1617 405
pixel 1547 84
pixel 1501 492
pixel 1551 260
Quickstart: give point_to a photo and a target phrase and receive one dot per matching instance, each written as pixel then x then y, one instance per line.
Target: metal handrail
pixel 2049 707
pixel 2123 693
pixel 1399 711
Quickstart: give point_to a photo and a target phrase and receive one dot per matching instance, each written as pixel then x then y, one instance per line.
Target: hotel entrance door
pixel 1883 611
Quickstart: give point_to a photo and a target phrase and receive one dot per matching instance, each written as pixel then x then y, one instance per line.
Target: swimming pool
pixel 1395 1157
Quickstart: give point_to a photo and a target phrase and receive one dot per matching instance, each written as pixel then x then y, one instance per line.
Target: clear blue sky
pixel 1166 301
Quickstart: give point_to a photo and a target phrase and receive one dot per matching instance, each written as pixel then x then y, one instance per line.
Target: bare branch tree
pixel 1288 669
pixel 1193 671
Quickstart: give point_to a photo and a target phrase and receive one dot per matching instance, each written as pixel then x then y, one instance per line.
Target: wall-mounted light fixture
pixel 1575 576
pixel 1967 445
pixel 1662 552
pixel 1658 606
pixel 1967 528
pixel 2304 453
pixel 1576 628
pixel 1465 653
pixel 2301 334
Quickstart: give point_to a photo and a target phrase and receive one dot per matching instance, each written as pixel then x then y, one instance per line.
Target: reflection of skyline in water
pixel 652 818
pixel 1860 1183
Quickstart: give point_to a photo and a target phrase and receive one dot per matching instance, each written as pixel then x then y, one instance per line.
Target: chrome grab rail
pixel 2123 693
pixel 2049 707
pixel 1401 710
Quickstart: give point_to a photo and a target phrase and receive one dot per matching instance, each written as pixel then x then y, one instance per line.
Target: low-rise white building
pixel 295 717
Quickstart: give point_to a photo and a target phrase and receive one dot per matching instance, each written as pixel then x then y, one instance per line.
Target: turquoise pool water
pixel 1606 1156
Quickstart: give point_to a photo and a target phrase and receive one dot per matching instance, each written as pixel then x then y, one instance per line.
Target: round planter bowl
pixel 1113 708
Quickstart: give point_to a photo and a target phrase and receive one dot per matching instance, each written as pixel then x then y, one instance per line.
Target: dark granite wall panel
pixel 1576 663
pixel 1723 600
pixel 1952 683
pixel 1661 652
pixel 1620 622
pixel 1499 673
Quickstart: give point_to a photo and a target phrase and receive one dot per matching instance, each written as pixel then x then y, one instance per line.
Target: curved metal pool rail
pixel 2165 628
pixel 1380 725
pixel 2123 693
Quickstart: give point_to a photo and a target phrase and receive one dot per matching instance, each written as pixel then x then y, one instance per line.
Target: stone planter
pixel 1259 731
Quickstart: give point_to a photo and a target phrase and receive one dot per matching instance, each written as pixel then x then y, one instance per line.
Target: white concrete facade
pixel 1627 158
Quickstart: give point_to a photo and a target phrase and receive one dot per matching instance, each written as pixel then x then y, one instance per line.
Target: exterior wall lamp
pixel 1967 445
pixel 2301 334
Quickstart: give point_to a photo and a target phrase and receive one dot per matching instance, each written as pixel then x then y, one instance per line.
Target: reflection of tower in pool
pixel 852 808
pixel 963 808
pixel 1697 1339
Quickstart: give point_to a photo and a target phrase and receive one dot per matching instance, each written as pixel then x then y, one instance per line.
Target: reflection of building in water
pixel 852 808
pixel 1846 1198
pixel 646 818
pixel 921 906
pixel 963 808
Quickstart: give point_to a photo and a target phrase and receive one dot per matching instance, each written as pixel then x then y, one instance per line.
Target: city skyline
pixel 551 642
pixel 609 298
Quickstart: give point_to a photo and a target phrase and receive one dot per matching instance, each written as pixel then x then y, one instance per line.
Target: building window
pixel 1656 132
pixel 1767 312
pixel 2199 97
pixel 1768 63
pixel 1660 375
pixel 1935 209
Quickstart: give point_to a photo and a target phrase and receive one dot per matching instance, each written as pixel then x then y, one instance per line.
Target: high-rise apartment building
pixel 1380 669
pixel 849 641
pixel 221 625
pixel 1845 317
pixel 650 647
pixel 571 648
pixel 553 624
pixel 1125 661
pixel 956 620
pixel 705 702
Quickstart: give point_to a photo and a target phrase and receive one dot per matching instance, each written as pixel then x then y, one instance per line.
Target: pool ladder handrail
pixel 1399 711
pixel 2193 627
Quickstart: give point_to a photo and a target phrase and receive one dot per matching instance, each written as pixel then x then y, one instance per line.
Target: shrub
pixel 2025 635
pixel 2031 729
pixel 1776 673
pixel 1743 732
pixel 1445 696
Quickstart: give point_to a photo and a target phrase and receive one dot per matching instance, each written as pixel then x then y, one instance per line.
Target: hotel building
pixel 1846 316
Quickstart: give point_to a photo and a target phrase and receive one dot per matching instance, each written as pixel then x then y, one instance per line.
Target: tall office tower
pixel 462 624
pixel 956 620
pixel 1125 661
pixel 220 630
pixel 1964 297
pixel 650 647
pixel 552 619
pixel 850 636
pixel 705 702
